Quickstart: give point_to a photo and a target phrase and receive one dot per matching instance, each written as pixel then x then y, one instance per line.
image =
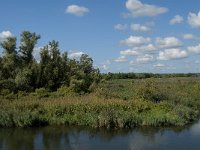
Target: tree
pixel 51 69
pixel 20 71
pixel 1 69
pixel 10 59
pixel 85 75
pixel 27 44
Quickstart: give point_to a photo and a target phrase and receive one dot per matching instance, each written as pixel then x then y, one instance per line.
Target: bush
pixel 21 94
pixel 41 92
pixel 8 85
pixel 7 94
pixel 64 91
pixel 150 91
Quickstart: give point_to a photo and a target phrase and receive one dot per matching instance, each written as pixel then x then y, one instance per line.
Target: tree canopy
pixel 19 70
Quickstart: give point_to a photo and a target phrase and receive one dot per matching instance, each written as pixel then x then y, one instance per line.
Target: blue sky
pixel 120 35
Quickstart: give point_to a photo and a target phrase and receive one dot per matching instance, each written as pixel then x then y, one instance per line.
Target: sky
pixel 157 36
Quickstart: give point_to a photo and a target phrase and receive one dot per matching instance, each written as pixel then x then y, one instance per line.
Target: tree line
pixel 19 70
pixel 131 75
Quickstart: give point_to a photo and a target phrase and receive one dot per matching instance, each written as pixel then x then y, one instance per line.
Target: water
pixel 74 138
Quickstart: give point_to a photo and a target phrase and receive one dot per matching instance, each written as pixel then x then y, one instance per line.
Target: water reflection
pixel 71 138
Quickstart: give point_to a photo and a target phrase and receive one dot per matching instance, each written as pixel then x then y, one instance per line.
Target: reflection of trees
pixel 77 137
pixel 15 139
pixel 55 138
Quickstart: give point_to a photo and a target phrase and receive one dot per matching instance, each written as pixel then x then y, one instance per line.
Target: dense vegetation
pixel 20 72
pixel 121 103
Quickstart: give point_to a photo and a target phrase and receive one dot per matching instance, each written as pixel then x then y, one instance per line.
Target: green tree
pixel 23 80
pixel 10 59
pixel 27 44
pixel 51 69
pixel 84 74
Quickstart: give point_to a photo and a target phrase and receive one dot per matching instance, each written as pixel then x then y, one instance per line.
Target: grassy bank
pixel 114 104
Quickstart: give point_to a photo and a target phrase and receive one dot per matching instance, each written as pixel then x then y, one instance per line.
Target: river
pixel 76 138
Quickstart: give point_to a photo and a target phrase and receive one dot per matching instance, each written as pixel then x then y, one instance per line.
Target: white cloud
pixel 104 67
pixel 168 42
pixel 189 37
pixel 144 58
pixel 135 51
pixel 140 28
pixel 75 55
pixel 146 48
pixel 194 49
pixel 76 10
pixel 173 53
pixel 176 19
pixel 121 26
pixel 194 20
pixel 159 65
pixel 129 52
pixel 36 53
pixel 135 41
pixel 138 9
pixel 4 35
pixel 132 62
pixel 121 59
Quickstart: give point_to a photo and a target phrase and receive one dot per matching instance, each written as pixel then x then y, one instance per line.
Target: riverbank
pixel 154 102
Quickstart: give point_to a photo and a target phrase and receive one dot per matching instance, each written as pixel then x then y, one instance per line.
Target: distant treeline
pixel 146 75
pixel 19 70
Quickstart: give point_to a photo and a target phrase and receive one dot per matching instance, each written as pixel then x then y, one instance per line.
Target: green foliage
pixel 9 61
pixel 51 72
pixel 89 110
pixel 149 90
pixel 23 80
pixel 65 91
pixel 8 85
pixel 27 44
pixel 41 92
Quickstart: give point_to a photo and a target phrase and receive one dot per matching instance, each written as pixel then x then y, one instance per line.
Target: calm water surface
pixel 73 138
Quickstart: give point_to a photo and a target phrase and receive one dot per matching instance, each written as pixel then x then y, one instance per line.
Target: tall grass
pixel 115 104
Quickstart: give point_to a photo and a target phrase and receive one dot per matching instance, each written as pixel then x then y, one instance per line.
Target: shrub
pixel 65 91
pixel 7 94
pixel 8 85
pixel 21 94
pixel 41 92
pixel 150 91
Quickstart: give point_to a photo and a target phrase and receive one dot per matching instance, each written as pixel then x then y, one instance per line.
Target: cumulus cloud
pixel 194 20
pixel 168 42
pixel 135 51
pixel 144 58
pixel 140 28
pixel 159 65
pixel 189 37
pixel 76 10
pixel 194 49
pixel 138 9
pixel 121 26
pixel 4 35
pixel 129 52
pixel 136 41
pixel 173 53
pixel 176 19
pixel 75 55
pixel 121 59
pixel 146 48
